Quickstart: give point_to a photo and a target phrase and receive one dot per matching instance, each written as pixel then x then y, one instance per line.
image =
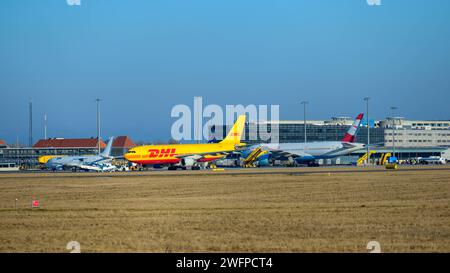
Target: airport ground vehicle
pixel 432 160
pixel 123 168
pixel 392 160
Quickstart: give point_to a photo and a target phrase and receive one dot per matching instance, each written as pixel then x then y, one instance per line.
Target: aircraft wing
pixel 99 167
pixel 278 153
pixel 202 155
pixel 99 161
pixel 89 167
pixel 83 164
pixel 348 145
pixel 287 154
pixel 73 164
pixel 379 144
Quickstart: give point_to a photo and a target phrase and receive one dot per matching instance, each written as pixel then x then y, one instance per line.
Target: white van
pixel 432 160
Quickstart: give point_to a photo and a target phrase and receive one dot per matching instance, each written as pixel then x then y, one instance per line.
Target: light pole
pixel 393 108
pixel 30 123
pixel 98 125
pixel 304 118
pixel 45 126
pixel 367 99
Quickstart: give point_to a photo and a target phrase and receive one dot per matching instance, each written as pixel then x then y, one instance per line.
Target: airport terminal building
pixel 408 133
pixel 412 138
pixel 316 130
pixel 416 133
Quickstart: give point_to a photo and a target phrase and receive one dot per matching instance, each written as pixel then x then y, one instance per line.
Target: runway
pixel 228 172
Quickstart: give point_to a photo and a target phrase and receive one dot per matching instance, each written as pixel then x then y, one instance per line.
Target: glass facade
pixel 295 133
pixel 30 156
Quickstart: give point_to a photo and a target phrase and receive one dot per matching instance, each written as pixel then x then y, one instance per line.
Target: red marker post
pixel 34 203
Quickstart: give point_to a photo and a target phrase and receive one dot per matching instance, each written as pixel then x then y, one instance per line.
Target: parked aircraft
pixel 100 163
pixel 309 152
pixel 181 156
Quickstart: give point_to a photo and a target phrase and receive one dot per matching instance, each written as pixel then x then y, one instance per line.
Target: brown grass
pixel 208 212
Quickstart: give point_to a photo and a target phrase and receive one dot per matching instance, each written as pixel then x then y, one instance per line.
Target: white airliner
pixel 309 152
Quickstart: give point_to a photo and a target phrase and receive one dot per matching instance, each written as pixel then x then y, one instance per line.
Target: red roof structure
pixel 2 143
pixel 123 142
pixel 69 143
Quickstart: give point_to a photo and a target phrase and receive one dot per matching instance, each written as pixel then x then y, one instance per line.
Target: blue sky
pixel 142 57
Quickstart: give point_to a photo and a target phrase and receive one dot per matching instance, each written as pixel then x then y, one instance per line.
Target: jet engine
pixel 188 162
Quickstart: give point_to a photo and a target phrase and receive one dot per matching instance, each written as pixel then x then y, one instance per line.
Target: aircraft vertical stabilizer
pixel 235 134
pixel 350 136
pixel 107 151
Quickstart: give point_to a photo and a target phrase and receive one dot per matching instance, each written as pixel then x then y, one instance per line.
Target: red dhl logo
pixel 156 153
pixel 234 134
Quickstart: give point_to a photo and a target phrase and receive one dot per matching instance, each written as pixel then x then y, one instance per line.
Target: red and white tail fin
pixel 351 134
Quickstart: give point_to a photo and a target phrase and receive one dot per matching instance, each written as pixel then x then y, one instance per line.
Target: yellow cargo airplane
pixel 188 155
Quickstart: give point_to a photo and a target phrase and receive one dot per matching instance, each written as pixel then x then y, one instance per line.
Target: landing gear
pixel 184 168
pixel 313 164
pixel 174 168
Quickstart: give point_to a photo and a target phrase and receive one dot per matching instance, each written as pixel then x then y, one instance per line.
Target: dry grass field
pixel 233 211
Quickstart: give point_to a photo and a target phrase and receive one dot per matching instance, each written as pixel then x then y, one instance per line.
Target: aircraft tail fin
pixel 107 151
pixel 350 136
pixel 235 134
